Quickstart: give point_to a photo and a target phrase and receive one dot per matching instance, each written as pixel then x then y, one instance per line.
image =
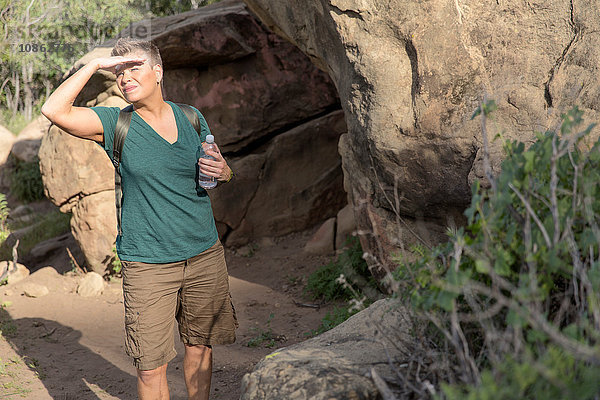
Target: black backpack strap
pixel 192 116
pixel 121 130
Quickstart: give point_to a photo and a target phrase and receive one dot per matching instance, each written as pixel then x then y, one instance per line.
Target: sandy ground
pixel 64 346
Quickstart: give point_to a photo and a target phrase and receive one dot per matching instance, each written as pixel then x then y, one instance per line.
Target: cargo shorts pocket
pixel 132 342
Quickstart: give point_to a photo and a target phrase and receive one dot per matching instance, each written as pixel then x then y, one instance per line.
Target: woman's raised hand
pixel 110 63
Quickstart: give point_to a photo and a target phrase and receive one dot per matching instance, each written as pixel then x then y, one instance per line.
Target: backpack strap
pixel 121 130
pixel 192 116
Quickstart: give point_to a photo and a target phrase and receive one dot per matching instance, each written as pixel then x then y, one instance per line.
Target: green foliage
pixel 51 225
pixel 41 40
pixel 347 278
pixel 553 374
pixel 116 262
pixel 8 329
pixel 265 337
pixel 4 211
pixel 26 181
pixel 517 291
pixel 13 122
pixel 323 282
pixel 487 108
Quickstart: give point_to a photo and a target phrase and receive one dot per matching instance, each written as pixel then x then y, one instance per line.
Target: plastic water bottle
pixel 205 181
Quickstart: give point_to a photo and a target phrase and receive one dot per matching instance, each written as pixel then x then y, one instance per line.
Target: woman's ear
pixel 158 71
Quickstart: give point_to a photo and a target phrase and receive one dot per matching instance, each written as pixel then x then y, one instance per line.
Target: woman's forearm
pixel 61 100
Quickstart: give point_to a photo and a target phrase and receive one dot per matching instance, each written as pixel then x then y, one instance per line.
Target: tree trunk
pixel 14 101
pixel 48 86
pixel 28 92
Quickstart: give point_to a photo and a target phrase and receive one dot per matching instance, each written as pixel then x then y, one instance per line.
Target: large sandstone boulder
pixel 410 74
pixel 336 364
pixel 275 116
pixel 28 141
pixel 297 183
pixel 7 138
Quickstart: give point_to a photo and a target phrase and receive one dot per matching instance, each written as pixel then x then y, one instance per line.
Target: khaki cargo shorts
pixel 195 292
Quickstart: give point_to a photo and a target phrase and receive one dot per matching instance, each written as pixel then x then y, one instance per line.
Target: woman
pixel 173 263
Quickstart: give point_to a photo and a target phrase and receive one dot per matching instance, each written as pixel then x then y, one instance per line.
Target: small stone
pixel 34 290
pixel 91 285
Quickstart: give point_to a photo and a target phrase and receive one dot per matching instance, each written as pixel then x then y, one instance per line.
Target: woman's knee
pixel 198 349
pixel 152 374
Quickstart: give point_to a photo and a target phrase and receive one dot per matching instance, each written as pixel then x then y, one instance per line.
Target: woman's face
pixel 137 81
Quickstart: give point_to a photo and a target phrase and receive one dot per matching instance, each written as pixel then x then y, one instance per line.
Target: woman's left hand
pixel 218 167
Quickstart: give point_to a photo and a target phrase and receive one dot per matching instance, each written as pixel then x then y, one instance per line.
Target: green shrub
pixel 15 123
pixel 516 293
pixel 116 262
pixel 553 374
pixel 265 337
pixel 51 225
pixel 26 181
pixel 324 284
pixel 347 278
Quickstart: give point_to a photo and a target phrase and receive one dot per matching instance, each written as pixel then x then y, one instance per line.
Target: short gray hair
pixel 126 46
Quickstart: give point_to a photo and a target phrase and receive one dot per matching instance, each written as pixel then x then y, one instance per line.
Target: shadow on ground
pixel 68 370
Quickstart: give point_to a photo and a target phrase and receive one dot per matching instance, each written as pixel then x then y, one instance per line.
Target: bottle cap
pixel 210 139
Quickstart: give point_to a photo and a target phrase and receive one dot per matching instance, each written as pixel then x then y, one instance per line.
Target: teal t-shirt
pixel 166 216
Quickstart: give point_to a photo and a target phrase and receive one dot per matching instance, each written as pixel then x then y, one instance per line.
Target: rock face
pixel 335 364
pixel 43 249
pixel 323 240
pixel 275 117
pixel 7 138
pixel 23 147
pixel 28 141
pixel 409 76
pixel 300 180
pixel 345 226
pixel 333 233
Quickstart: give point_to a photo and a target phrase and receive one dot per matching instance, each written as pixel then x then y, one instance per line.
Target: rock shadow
pixel 67 369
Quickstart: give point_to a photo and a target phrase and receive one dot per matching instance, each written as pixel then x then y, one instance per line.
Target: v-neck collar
pixel 156 133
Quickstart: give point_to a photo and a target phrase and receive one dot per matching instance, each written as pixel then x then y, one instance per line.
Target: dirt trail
pixel 63 346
